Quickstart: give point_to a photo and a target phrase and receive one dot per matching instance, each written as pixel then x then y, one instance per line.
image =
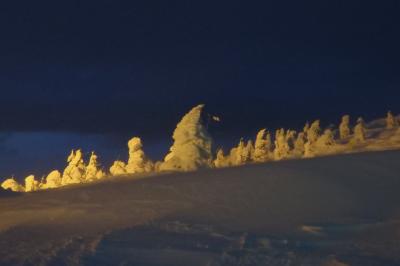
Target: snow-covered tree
pixel 31 184
pixel 12 185
pixel 235 154
pixel 248 152
pixel 74 173
pixel 92 170
pixel 344 128
pixel 262 147
pixel 118 168
pixel 290 136
pixel 220 160
pixel 53 180
pixel 299 143
pixel 282 149
pixel 192 144
pixel 309 150
pixel 391 121
pixel 138 162
pixel 306 127
pixel 241 154
pixel 325 141
pixel 314 131
pixel 359 131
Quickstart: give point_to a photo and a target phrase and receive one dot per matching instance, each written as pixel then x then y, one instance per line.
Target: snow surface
pixel 337 210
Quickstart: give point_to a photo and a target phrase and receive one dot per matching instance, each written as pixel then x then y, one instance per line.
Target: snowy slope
pixel 338 210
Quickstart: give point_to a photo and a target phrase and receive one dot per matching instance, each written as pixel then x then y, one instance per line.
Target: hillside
pixel 321 211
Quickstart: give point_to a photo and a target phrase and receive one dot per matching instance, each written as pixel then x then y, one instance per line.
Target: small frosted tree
pixel 118 168
pixel 262 147
pixel 344 127
pixel 31 184
pixel 74 173
pixel 282 149
pixel 325 141
pixel 241 154
pixel 13 185
pixel 313 132
pixel 236 154
pixel 53 180
pixel 92 170
pixel 290 136
pixel 306 127
pixel 309 150
pixel 299 143
pixel 138 162
pixel 248 152
pixel 391 121
pixel 192 144
pixel 220 160
pixel 359 132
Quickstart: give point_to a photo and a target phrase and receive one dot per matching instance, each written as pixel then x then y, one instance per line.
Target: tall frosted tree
pixel 344 127
pixel 192 144
pixel 391 121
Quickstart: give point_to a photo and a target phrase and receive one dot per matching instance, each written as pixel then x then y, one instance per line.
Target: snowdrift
pixel 309 211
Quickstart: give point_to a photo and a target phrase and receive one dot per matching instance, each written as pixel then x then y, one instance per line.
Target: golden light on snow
pixel 192 150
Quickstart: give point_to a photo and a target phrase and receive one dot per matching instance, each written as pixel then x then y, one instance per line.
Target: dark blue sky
pixel 125 68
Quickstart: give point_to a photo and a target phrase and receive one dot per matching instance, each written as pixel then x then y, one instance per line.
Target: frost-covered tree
pixel 309 150
pixel 92 170
pixel 248 152
pixel 235 154
pixel 192 144
pixel 391 121
pixel 306 127
pixel 12 185
pixel 138 162
pixel 262 148
pixel 74 173
pixel 290 136
pixel 242 153
pixel 325 141
pixel 31 184
pixel 282 149
pixel 53 180
pixel 359 132
pixel 299 143
pixel 220 160
pixel 344 127
pixel 118 168
pixel 314 131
